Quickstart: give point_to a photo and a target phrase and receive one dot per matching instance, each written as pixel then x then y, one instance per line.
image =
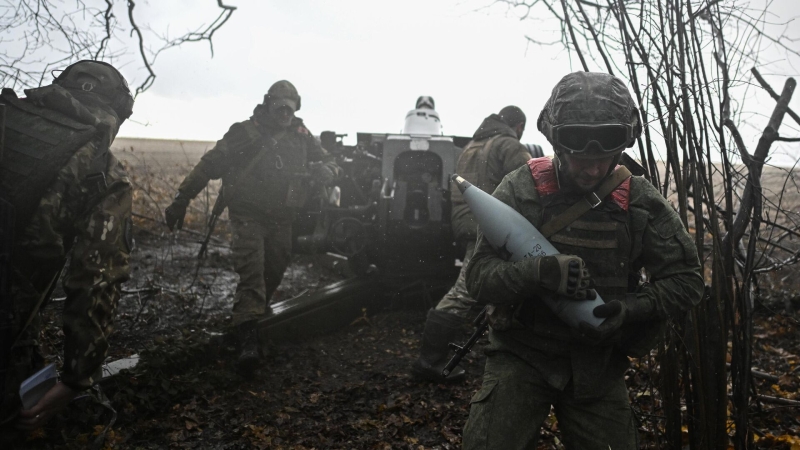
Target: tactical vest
pixel 601 237
pixel 472 165
pixel 38 143
pixel 268 177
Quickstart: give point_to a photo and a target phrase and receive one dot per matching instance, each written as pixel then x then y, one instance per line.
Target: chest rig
pixel 38 143
pixel 269 172
pixel 600 236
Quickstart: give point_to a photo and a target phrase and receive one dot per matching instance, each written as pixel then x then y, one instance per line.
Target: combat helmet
pixel 284 94
pixel 100 79
pixel 590 115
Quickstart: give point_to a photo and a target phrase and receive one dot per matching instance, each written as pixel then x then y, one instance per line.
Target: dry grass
pixel 156 168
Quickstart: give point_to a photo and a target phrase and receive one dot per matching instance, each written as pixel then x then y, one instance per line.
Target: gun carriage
pixel 386 223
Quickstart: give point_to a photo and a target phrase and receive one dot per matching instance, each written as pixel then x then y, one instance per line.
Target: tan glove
pixel 565 275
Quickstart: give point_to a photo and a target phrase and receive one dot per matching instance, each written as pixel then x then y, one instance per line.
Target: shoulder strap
pixel 271 144
pixel 253 142
pixel 591 201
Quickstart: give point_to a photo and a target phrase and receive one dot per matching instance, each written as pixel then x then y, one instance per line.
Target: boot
pixel 441 328
pixel 249 357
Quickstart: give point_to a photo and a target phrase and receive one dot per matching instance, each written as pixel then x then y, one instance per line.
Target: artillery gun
pixel 387 223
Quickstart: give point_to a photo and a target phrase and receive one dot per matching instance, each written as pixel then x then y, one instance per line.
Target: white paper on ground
pixel 35 386
pixel 113 368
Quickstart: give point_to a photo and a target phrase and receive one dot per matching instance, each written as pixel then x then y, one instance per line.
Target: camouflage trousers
pixel 457 300
pixel 514 400
pixel 261 253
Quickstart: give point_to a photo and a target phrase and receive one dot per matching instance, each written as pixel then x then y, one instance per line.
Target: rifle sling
pixel 591 201
pixel 224 194
pixel 42 298
pixel 272 143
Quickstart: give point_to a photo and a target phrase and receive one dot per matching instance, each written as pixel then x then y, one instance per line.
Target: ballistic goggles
pixel 577 138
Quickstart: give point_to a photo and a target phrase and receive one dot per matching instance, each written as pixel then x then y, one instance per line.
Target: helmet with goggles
pixel 282 94
pixel 590 115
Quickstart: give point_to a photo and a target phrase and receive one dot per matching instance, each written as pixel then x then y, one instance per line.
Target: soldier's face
pixel 585 174
pixel 282 116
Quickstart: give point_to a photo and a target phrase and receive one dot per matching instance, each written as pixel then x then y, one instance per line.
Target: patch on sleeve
pixel 544 175
pixel 621 196
pixel 667 226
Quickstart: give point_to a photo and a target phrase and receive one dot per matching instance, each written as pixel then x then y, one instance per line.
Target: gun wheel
pixel 347 236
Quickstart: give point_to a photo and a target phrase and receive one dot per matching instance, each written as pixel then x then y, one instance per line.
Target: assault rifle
pixel 482 324
pixel 219 205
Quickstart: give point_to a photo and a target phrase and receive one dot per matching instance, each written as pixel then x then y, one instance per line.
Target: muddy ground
pixel 347 389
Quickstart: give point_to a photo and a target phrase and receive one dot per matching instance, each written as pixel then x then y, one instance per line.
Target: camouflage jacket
pixel 92 226
pixel 485 167
pixel 265 174
pixel 658 243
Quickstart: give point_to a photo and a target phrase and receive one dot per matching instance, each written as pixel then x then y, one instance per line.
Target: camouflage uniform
pixel 532 366
pixel 494 151
pixel 266 176
pixel 91 225
pixel 538 361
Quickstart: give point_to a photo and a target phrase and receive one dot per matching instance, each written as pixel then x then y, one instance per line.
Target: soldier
pixel 537 361
pixel 71 197
pixel 267 165
pixel 494 151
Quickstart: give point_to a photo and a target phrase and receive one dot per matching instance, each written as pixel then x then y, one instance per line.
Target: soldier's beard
pixel 575 180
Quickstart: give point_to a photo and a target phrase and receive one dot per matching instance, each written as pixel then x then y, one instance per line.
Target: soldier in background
pixel 268 165
pixel 494 151
pixel 71 198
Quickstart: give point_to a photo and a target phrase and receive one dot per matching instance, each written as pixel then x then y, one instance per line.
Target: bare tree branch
pixel 686 62
pixel 772 93
pixel 38 35
pixel 572 35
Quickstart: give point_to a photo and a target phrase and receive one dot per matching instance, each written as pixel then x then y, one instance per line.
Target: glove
pixel 617 313
pixel 176 212
pixel 565 275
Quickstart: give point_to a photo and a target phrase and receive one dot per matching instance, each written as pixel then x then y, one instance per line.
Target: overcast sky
pixel 360 65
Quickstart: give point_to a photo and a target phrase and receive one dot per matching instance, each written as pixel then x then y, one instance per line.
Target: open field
pixel 165 154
